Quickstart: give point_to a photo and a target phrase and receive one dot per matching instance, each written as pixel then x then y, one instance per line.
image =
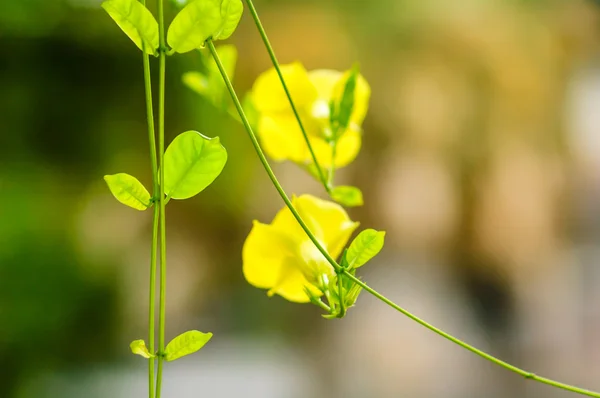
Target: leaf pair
pixel 192 162
pixel 197 22
pixel 185 344
pixel 342 291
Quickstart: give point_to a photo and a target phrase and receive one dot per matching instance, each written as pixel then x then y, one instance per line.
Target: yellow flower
pixel 312 93
pixel 280 256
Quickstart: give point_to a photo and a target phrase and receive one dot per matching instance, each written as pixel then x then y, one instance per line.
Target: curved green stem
pixel 337 267
pixel 269 48
pixel 163 238
pixel 153 162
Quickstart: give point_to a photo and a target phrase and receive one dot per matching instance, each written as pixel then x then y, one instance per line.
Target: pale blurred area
pixel 481 159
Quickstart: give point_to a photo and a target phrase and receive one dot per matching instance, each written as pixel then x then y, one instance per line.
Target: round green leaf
pixel 128 190
pixel 138 347
pixel 201 20
pixel 136 21
pixel 185 344
pixel 192 162
pixel 364 247
pixel 347 195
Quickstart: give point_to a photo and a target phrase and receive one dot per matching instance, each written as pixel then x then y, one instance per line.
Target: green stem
pixel 269 48
pixel 337 267
pixel 163 238
pixel 153 162
pixel 341 296
pixel 152 303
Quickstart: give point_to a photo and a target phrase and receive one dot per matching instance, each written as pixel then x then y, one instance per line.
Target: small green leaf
pixel 192 162
pixel 136 21
pixel 364 247
pixel 203 19
pixel 185 344
pixel 344 109
pixel 128 190
pixel 347 195
pixel 138 347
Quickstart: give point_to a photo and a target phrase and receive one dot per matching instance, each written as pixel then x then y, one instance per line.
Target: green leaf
pixel 192 162
pixel 347 195
pixel 364 247
pixel 128 190
pixel 203 19
pixel 231 12
pixel 136 21
pixel 343 110
pixel 185 344
pixel 138 347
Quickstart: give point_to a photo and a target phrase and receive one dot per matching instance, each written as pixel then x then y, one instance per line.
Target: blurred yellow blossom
pixel 312 93
pixel 280 257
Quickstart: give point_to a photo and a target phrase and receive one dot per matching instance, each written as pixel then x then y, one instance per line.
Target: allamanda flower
pixel 280 257
pixel 312 93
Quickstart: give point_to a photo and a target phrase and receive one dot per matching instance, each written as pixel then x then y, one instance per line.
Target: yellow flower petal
pixel 282 138
pixel 285 221
pixel 291 287
pixel 265 254
pixel 268 94
pixel 348 147
pixel 335 226
pixel 325 80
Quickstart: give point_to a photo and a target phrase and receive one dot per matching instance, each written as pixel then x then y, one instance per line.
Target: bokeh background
pixel 481 159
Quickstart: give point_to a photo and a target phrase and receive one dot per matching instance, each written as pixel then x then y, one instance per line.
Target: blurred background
pixel 481 159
